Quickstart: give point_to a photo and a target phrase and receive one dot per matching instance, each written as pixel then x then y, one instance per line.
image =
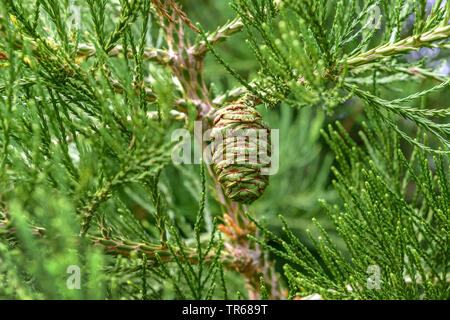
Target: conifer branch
pixel 87 113
pixel 155 55
pixel 187 65
pixel 400 47
pixel 220 35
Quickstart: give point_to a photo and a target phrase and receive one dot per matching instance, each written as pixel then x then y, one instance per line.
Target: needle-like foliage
pixel 93 207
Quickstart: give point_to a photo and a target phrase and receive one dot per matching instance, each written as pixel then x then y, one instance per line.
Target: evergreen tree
pixel 93 205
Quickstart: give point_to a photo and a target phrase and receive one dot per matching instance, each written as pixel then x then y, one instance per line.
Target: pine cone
pixel 240 150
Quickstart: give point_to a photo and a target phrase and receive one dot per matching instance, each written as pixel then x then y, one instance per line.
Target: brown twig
pixel 3 56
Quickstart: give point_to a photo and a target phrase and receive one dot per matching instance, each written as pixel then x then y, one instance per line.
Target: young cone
pixel 241 150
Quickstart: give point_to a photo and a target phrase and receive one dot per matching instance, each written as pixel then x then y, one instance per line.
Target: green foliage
pixel 318 53
pixel 40 268
pixel 394 219
pixel 87 112
pixel 241 182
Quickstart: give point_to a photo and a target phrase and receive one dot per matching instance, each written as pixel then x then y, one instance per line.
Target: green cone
pixel 240 151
